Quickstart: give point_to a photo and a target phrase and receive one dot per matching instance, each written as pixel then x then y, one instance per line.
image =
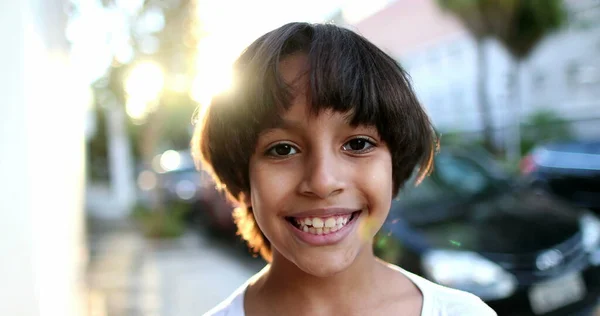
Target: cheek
pixel 269 185
pixel 376 183
pixel 378 177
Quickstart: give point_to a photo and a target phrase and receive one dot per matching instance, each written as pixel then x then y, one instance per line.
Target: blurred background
pixel 103 212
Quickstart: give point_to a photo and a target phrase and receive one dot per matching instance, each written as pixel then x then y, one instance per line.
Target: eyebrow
pixel 281 123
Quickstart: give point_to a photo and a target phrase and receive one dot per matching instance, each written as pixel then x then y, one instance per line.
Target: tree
pixel 519 25
pixel 471 13
pixel 163 37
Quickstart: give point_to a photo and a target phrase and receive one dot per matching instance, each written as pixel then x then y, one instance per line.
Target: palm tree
pixel 471 13
pixel 519 25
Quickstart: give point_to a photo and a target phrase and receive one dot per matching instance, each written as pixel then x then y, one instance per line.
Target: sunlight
pixel 214 75
pixel 170 160
pixel 136 108
pixel 145 81
pixel 143 86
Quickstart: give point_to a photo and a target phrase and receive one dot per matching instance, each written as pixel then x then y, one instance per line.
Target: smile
pixel 322 225
pixel 323 230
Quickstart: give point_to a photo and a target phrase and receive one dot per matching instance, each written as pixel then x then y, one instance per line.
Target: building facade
pixel 561 75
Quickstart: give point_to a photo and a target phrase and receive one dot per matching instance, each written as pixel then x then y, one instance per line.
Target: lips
pixel 319 225
pixel 323 228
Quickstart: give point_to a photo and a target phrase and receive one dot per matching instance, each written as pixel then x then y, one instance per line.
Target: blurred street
pixel 105 211
pixel 131 275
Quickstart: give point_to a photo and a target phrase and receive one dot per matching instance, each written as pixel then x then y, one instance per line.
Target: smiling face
pixel 319 187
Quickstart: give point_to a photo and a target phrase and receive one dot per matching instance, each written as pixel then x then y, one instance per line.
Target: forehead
pixel 294 70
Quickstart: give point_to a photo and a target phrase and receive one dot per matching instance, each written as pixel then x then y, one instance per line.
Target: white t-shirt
pixel 437 301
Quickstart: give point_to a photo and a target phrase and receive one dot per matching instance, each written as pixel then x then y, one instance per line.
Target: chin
pixel 323 264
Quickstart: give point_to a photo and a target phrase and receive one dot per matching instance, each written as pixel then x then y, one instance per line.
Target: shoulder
pixel 453 302
pixel 441 300
pixel 232 306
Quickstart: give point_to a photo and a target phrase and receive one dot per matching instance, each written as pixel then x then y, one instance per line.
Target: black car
pixel 570 170
pixel 468 226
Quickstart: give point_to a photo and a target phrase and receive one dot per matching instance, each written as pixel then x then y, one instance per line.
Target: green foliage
pixel 470 13
pixel 518 24
pixel 544 126
pixel 532 21
pixel 161 224
pixel 176 55
pixel 457 138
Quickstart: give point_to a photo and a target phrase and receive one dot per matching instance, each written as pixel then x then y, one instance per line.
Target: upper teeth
pixel 322 225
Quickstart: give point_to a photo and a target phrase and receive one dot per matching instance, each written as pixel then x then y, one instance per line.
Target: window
pixel 571 73
pixel 578 74
pixel 538 80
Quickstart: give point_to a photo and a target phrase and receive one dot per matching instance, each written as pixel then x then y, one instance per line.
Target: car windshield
pixel 453 176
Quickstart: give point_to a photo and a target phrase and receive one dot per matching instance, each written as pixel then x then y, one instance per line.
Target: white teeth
pixel 320 226
pixel 330 222
pixel 317 223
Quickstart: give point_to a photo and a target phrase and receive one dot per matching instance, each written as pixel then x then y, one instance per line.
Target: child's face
pixel 320 188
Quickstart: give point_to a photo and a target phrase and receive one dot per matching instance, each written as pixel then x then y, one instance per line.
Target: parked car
pixel 469 226
pixel 178 180
pixel 570 170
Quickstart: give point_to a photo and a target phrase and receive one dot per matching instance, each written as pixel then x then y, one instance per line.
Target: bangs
pixel 345 73
pixel 350 75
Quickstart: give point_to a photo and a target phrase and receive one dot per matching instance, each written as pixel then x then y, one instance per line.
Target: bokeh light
pixel 147 180
pixel 145 81
pixel 136 108
pixel 170 160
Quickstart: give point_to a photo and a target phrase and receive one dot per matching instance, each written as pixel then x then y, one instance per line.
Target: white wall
pixel 444 76
pixel 41 165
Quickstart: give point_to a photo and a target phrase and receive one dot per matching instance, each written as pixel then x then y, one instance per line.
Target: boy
pixel 318 134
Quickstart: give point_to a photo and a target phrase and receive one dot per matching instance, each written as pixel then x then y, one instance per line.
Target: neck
pixel 285 281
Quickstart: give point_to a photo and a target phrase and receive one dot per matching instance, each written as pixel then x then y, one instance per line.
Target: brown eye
pixel 358 145
pixel 282 150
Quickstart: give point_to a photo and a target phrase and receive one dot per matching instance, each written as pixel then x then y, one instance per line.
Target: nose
pixel 323 175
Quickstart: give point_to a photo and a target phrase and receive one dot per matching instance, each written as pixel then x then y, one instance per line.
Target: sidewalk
pixel 129 275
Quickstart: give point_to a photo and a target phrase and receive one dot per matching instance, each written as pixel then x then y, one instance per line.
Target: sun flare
pixel 216 55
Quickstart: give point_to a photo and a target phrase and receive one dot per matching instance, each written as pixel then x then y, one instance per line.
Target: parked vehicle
pixel 179 182
pixel 470 227
pixel 570 170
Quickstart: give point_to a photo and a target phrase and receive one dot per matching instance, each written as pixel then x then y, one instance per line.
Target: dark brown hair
pixel 346 73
